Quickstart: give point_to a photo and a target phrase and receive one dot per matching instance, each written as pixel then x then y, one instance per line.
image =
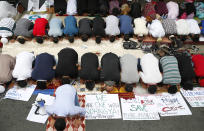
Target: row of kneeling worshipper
pixel 180 69
pixel 111 27
pixel 134 8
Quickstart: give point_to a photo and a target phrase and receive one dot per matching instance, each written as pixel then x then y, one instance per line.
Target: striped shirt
pixel 171 74
pixel 7 26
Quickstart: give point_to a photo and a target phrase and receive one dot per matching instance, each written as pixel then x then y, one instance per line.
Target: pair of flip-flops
pixel 130 45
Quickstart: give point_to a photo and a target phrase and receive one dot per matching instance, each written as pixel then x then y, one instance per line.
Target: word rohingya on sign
pixel 140 108
pixel 172 105
pixel 104 106
pixel 195 97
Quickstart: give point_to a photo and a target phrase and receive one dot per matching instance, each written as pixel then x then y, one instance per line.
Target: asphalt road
pixel 13 118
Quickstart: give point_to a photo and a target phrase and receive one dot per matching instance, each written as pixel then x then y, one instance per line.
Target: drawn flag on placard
pixel 140 108
pixel 195 97
pixel 102 106
pixel 172 105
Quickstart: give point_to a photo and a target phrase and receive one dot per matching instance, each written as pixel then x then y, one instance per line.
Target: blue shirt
pixel 56 27
pixel 64 104
pixel 43 69
pixel 126 24
pixel 70 26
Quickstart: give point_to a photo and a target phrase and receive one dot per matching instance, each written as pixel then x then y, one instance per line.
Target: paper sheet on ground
pixel 140 108
pixel 17 93
pixel 102 106
pixel 40 118
pixel 195 97
pixel 47 98
pixel 172 105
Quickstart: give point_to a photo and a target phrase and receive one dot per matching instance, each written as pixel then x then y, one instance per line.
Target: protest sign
pixel 17 93
pixel 172 105
pixel 195 97
pixel 102 106
pixel 140 108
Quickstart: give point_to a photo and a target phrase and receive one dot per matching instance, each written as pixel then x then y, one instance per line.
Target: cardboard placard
pixel 17 93
pixel 140 108
pixel 102 106
pixel 195 97
pixel 172 105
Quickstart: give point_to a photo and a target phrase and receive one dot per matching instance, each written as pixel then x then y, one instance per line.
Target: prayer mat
pixel 70 120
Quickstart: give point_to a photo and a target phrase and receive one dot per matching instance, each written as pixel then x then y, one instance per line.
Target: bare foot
pixel 77 123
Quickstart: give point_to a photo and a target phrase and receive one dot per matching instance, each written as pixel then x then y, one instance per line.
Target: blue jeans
pixel 76 100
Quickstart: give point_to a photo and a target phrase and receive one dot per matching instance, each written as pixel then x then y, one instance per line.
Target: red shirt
pixel 198 61
pixel 40 27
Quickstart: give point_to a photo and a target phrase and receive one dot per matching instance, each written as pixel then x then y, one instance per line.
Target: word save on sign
pixel 140 108
pixel 103 106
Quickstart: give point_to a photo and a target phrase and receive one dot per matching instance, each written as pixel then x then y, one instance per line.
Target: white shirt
pixel 64 104
pixel 156 29
pixel 8 23
pixel 112 25
pixel 140 27
pixel 150 67
pixel 193 26
pixel 71 7
pixel 7 10
pixel 129 72
pixel 182 27
pixel 23 67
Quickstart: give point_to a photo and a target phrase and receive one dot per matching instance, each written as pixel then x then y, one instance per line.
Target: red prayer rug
pixel 70 120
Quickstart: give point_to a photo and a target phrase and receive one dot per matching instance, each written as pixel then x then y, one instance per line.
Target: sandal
pixel 126 45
